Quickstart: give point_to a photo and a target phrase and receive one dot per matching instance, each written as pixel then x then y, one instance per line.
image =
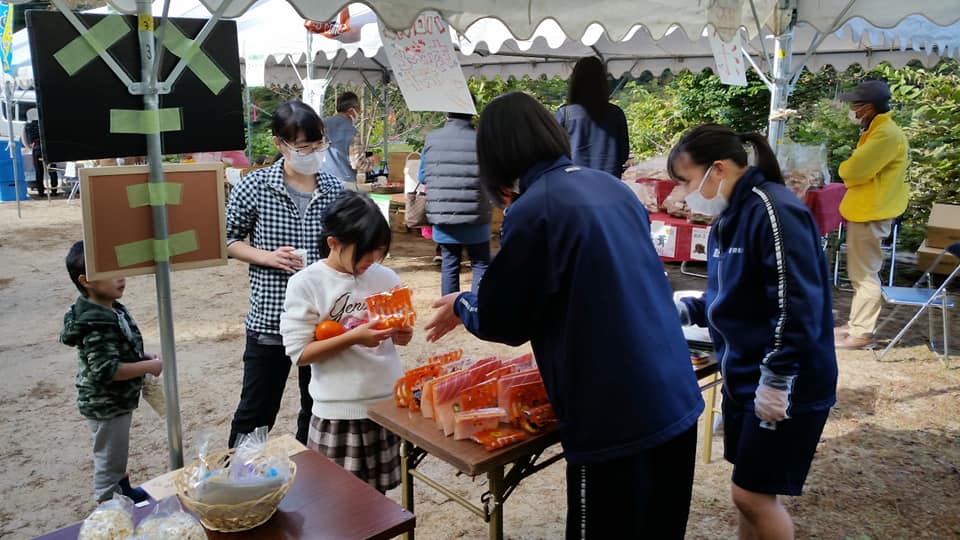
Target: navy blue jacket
pixel 768 297
pixel 577 276
pixel 599 145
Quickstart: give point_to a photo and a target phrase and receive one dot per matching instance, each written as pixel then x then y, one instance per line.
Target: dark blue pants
pixel 266 367
pixel 450 267
pixel 641 496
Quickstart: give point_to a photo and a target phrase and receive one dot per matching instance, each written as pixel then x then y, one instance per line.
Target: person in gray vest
pixel 346 155
pixel 458 207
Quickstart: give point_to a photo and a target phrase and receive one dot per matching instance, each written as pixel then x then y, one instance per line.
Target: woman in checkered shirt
pixel 273 217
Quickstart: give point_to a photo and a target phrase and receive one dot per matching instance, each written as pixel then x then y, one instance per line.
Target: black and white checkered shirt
pixel 261 209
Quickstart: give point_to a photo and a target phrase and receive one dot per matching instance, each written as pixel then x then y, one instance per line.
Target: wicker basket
pixel 231 517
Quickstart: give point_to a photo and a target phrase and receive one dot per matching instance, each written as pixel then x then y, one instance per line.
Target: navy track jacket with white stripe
pixel 768 297
pixel 578 277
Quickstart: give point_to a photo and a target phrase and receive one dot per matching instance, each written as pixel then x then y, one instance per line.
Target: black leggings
pixel 641 496
pixel 265 372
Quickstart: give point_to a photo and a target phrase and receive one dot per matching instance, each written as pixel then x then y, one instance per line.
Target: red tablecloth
pixel 677 240
pixel 663 187
pixel 824 204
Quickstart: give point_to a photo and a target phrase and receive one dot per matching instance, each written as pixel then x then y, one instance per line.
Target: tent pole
pixel 784 21
pixel 386 120
pixel 151 102
pixel 12 144
pixel 309 56
pixel 246 95
pixel 780 87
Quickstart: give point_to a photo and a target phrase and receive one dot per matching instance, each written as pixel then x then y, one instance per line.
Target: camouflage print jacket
pixel 102 344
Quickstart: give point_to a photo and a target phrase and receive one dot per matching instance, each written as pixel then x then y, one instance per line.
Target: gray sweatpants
pixel 111 443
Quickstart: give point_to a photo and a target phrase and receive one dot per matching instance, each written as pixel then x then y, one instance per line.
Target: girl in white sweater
pixel 360 366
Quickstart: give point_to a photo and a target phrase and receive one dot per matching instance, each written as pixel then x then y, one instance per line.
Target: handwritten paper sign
pixel 313 92
pixel 254 65
pixel 729 58
pixel 664 239
pixel 426 66
pixel 698 243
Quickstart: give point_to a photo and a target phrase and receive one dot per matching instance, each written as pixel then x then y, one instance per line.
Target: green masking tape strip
pixel 199 63
pixel 156 250
pixel 94 41
pixel 144 122
pixel 154 194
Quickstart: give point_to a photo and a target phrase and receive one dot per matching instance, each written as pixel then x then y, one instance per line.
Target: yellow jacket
pixel 875 174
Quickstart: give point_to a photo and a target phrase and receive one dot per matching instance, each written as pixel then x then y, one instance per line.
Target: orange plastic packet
pixel 393 308
pixel 523 397
pixel 536 419
pixel 403 390
pixel 446 358
pixel 495 438
pixel 480 396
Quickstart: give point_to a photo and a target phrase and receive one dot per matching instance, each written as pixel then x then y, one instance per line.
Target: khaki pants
pixel 864 260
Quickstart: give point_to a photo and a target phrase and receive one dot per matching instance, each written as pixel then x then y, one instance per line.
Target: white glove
pixel 772 401
pixel 683 312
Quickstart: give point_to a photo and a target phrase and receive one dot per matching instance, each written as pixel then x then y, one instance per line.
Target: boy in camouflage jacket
pixel 110 369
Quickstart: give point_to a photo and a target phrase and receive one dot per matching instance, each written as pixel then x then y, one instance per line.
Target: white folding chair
pixel 925 298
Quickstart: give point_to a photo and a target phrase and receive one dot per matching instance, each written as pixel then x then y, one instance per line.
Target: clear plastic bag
pixel 646 192
pixel 655 168
pixel 804 167
pixel 674 203
pixel 153 394
pixel 253 471
pixel 112 520
pixel 168 520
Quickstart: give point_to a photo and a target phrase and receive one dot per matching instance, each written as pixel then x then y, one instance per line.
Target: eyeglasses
pixel 306 147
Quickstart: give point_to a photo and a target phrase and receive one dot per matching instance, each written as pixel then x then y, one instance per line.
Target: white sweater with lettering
pixel 342 385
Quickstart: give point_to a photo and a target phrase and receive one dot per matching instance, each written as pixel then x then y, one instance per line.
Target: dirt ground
pixel 888 465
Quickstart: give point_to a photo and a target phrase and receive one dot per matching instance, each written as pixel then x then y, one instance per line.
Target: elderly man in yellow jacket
pixel 876 195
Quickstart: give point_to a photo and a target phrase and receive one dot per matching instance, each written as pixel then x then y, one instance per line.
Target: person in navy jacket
pixel 577 277
pixel 769 312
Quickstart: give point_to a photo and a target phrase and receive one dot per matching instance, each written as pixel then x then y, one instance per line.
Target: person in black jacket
pixel 576 278
pixel 31 138
pixel 769 311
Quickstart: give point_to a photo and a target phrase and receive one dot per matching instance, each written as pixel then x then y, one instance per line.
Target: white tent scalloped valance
pixel 618 17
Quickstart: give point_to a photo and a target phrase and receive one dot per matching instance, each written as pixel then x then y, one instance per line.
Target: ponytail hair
pixel 712 142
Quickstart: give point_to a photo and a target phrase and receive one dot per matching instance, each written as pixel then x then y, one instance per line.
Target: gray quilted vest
pixel 454 193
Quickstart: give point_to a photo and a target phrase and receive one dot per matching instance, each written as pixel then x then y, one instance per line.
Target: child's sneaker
pixel 136 494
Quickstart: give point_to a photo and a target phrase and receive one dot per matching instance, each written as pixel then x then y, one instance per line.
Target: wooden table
pixel 420 437
pixel 324 502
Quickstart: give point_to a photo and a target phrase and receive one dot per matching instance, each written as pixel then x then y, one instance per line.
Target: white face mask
pixel 702 205
pixel 308 163
pixel 852 115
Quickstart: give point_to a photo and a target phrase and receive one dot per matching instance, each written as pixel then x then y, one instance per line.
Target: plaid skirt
pixel 362 447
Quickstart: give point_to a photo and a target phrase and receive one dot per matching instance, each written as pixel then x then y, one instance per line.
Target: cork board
pixel 109 220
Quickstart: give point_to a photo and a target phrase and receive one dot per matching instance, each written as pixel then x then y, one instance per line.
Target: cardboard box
pixel 943 227
pixel 926 255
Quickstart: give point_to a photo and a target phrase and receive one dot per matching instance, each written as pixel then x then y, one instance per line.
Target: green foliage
pixel 927 108
pixel 660 109
pixel 825 122
pixel 654 118
pixel 703 98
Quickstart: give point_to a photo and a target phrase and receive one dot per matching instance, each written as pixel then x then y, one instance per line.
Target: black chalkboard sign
pixel 77 98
